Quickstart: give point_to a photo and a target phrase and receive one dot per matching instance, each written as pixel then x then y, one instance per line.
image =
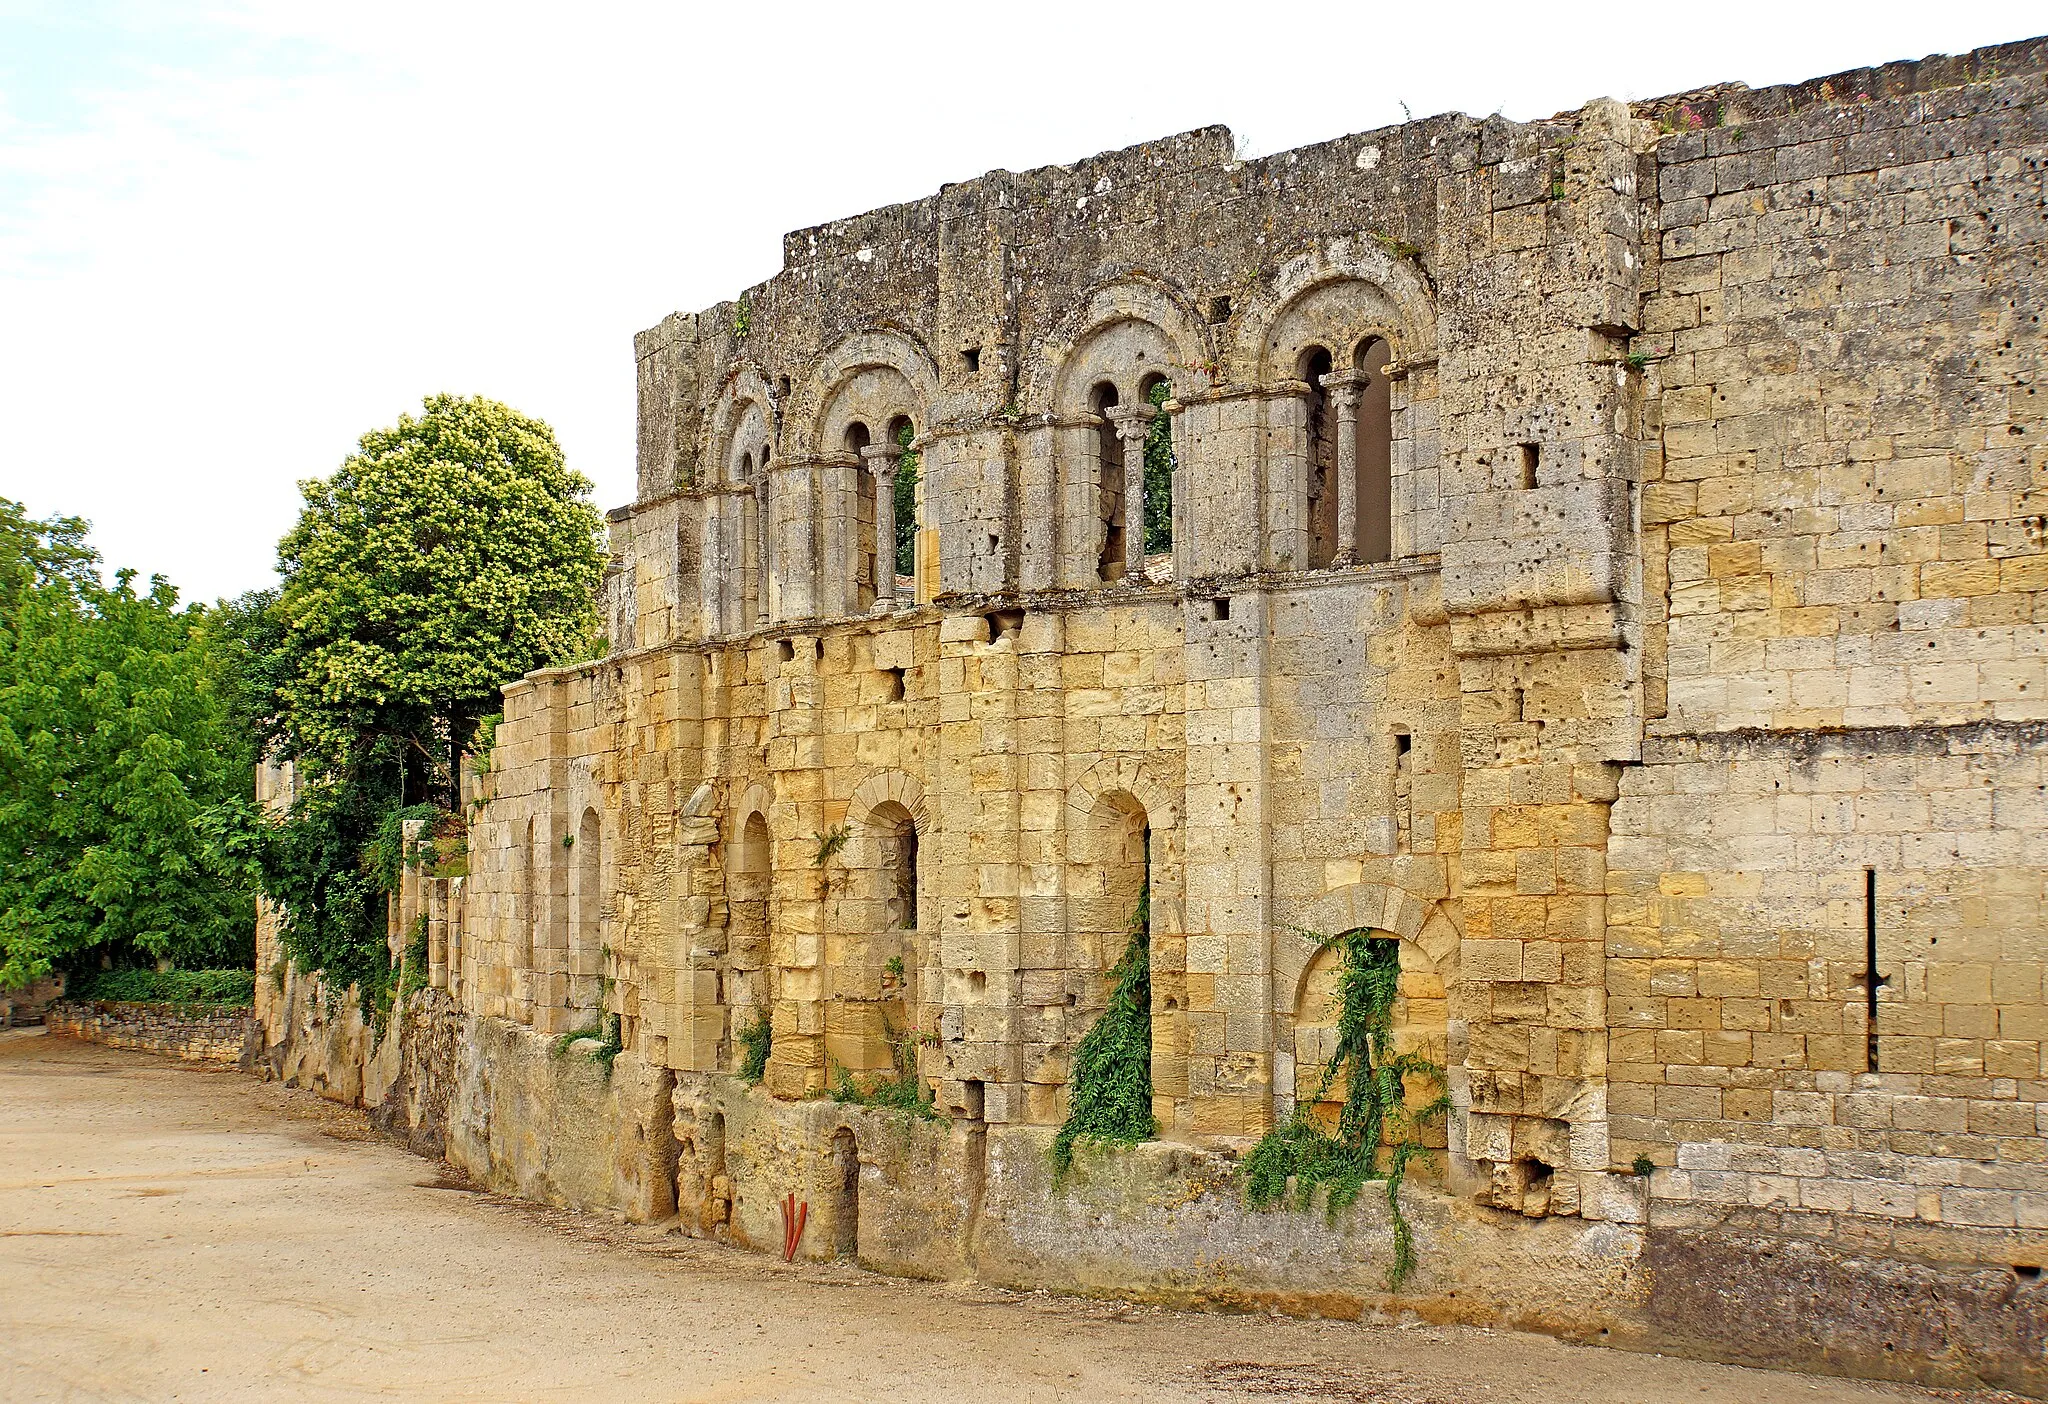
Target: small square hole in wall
pixel 1005 624
pixel 785 651
pixel 1219 608
pixel 1219 309
pixel 1528 455
pixel 892 684
pixel 977 981
pixel 970 360
pixel 782 388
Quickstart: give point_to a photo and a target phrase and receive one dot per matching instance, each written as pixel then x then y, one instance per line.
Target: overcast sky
pixel 235 235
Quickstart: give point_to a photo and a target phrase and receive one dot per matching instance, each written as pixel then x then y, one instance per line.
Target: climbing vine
pixel 1376 1116
pixel 1112 1082
pixel 757 1040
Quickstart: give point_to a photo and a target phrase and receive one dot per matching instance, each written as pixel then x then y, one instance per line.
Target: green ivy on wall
pixel 1376 1115
pixel 1111 1088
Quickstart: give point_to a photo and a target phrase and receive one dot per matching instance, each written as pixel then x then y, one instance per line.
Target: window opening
pixel 1322 461
pixel 1159 470
pixel 1872 981
pixel 1109 486
pixel 1219 309
pixel 1528 456
pixel 1404 787
pixel 908 465
pixel 971 359
pixel 1219 608
pixel 1374 466
pixel 892 684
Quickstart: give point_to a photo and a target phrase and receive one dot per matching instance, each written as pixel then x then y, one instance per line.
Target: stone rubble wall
pixel 195 1033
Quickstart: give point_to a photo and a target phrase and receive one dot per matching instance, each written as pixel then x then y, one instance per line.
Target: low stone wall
pixel 956 1200
pixel 197 1033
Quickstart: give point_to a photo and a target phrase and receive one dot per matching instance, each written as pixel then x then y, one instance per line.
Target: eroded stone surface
pixel 1600 549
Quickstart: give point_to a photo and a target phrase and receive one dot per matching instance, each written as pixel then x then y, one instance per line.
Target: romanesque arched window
pixel 898 501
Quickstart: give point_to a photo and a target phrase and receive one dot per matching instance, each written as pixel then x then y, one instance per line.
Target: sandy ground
pixel 171 1233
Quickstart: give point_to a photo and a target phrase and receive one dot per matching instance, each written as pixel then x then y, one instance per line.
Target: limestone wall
pixel 1603 553
pixel 200 1034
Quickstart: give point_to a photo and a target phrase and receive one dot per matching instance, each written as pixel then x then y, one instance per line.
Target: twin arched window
pixel 1350 430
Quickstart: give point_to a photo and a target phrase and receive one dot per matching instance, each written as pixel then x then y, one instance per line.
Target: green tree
pixel 451 554
pixel 52 551
pixel 1159 474
pixel 114 738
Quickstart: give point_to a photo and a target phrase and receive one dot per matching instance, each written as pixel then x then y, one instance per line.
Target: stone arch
pixel 1107 809
pixel 875 944
pixel 749 875
pixel 1405 310
pixel 741 420
pixel 1060 372
pixel 1354 496
pixel 860 388
pixel 884 786
pixel 1421 1025
pixel 1353 907
pixel 833 394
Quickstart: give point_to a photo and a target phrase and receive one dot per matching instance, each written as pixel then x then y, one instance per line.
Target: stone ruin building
pixel 1606 553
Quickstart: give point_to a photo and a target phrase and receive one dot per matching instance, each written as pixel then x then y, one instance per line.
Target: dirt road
pixel 175 1234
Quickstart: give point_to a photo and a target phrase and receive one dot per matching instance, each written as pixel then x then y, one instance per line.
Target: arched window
pixel 1321 454
pixel 896 854
pixel 747 890
pixel 1156 390
pixel 586 942
pixel 1375 464
pixel 1109 484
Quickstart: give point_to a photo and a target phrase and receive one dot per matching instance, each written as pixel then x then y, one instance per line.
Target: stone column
pixel 881 461
pixel 764 532
pixel 1133 423
pixel 1344 388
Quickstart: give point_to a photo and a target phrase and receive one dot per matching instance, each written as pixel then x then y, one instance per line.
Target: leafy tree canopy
pixel 451 554
pixel 52 551
pixel 114 738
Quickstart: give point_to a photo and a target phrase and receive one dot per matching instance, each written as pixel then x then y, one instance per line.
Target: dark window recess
pixel 782 388
pixel 892 684
pixel 974 1099
pixel 1219 309
pixel 971 359
pixel 1219 608
pixel 1872 981
pixel 1530 453
pixel 1004 624
pixel 785 651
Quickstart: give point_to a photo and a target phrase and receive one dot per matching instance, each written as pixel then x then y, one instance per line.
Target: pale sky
pixel 235 235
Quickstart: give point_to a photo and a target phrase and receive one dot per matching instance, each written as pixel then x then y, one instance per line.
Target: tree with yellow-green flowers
pixel 450 554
